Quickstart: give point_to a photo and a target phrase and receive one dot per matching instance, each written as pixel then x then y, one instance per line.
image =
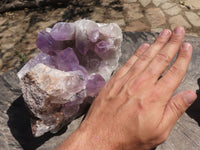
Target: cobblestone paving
pixel 18 29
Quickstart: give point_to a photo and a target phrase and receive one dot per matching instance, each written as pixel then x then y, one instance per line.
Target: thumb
pixel 177 105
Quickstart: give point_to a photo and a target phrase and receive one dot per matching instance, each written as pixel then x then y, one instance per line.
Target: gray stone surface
pixel 186 133
pixel 15 132
pixel 193 34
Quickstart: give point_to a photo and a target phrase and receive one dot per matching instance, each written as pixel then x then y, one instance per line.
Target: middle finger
pixel 164 57
pixel 144 60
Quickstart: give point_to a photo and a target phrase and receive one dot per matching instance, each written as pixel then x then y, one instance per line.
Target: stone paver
pixel 193 4
pixel 179 21
pixel 132 11
pixel 2 20
pixel 19 29
pixel 193 18
pixel 137 26
pixel 100 15
pixel 130 1
pixel 157 30
pixel 168 5
pixel 145 2
pixel 115 14
pixel 106 2
pixel 170 9
pixel 193 34
pixel 1 63
pixel 120 22
pixel 155 16
pixel 158 2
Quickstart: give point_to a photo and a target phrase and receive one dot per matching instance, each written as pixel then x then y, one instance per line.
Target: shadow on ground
pixel 194 110
pixel 19 124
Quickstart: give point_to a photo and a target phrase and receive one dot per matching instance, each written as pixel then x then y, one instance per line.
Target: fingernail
pixel 189 97
pixel 164 33
pixel 186 46
pixel 144 46
pixel 178 30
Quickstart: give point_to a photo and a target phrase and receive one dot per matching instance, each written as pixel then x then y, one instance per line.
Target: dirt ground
pixel 20 25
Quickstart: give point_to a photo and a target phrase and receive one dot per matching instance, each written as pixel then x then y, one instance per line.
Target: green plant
pixel 23 57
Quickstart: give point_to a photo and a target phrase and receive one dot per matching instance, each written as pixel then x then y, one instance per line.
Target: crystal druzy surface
pixel 75 62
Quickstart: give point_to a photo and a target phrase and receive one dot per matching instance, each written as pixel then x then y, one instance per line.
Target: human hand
pixel 136 110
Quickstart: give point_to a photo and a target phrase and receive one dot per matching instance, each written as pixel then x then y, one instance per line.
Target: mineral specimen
pixel 76 61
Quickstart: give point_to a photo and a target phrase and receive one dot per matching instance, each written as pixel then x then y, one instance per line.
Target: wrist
pixel 87 139
pixel 104 139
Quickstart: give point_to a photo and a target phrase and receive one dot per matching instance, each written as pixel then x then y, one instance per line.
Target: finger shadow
pixel 20 127
pixel 194 110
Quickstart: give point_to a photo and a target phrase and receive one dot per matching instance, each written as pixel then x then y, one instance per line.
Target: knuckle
pixel 160 41
pixel 110 84
pixel 128 64
pixel 177 108
pixel 119 74
pixel 145 57
pixel 159 136
pixel 162 138
pixel 163 57
pixel 174 107
pixel 176 72
pixel 151 72
pixel 157 93
pixel 183 54
pixel 113 88
pixel 133 86
pixel 137 84
pixel 175 39
pixel 153 96
pixel 139 52
pixel 124 69
pixel 174 69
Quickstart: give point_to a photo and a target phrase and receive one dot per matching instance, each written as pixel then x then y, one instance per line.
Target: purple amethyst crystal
pixel 63 31
pixel 66 60
pixel 94 35
pixel 102 47
pixel 94 84
pixel 75 62
pixel 45 42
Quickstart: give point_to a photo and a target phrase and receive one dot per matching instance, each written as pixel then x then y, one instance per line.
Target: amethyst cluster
pixel 75 62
